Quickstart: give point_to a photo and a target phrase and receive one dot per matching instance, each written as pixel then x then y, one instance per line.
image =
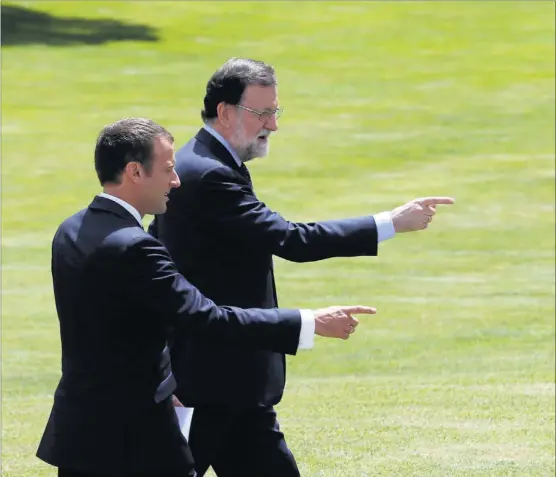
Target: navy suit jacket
pixel 222 239
pixel 117 294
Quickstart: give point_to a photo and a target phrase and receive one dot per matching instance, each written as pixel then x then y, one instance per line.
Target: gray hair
pixel 229 82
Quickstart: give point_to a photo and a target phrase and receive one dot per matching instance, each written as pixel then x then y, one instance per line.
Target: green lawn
pixel 384 102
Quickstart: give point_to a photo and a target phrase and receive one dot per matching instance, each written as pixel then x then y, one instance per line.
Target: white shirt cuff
pixel 384 226
pixel 307 334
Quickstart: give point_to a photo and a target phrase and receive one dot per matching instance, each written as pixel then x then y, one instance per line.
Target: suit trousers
pixel 77 473
pixel 240 443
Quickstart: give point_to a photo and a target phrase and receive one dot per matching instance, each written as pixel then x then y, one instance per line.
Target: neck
pixel 225 133
pixel 119 192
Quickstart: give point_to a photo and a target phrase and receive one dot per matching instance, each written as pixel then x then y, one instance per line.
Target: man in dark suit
pixel 117 292
pixel 222 238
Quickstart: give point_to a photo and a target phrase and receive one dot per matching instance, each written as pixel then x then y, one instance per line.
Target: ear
pixel 224 113
pixel 134 171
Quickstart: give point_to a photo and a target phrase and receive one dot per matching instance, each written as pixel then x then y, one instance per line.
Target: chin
pixel 160 210
pixel 262 152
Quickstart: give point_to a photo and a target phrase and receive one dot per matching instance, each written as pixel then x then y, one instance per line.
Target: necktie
pixel 245 173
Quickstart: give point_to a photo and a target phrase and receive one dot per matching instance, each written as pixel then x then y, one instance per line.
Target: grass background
pixel 384 102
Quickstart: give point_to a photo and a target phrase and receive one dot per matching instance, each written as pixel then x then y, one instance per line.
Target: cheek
pixel 159 183
pixel 252 130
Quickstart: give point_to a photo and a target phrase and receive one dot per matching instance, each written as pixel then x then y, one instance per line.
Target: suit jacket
pixel 117 294
pixel 222 239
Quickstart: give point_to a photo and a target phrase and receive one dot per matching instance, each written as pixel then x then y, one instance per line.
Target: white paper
pixel 185 415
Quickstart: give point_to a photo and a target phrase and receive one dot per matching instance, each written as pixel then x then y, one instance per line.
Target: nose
pixel 272 123
pixel 175 182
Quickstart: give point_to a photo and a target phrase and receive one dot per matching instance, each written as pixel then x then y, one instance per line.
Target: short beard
pixel 247 150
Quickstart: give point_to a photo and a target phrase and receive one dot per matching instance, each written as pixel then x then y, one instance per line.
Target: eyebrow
pixel 270 110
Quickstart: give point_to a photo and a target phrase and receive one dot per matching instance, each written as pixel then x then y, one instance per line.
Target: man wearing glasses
pixel 222 238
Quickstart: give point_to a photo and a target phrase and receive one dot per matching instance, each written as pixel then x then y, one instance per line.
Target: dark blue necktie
pixel 245 173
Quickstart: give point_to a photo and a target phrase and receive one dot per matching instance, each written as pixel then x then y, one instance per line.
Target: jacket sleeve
pixel 231 207
pixel 156 284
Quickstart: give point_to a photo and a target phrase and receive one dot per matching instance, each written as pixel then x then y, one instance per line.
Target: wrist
pixel 318 326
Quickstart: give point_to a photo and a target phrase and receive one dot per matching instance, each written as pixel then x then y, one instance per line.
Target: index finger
pixel 437 200
pixel 364 310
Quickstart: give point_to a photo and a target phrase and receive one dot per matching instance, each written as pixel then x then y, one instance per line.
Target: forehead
pixel 163 149
pixel 260 97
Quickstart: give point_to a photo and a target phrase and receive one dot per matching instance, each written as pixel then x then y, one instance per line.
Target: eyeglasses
pixel 264 116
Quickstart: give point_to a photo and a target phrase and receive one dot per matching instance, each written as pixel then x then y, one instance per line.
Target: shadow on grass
pixel 22 26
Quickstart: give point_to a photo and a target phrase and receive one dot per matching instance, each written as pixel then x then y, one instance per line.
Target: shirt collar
pixel 132 210
pixel 225 143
